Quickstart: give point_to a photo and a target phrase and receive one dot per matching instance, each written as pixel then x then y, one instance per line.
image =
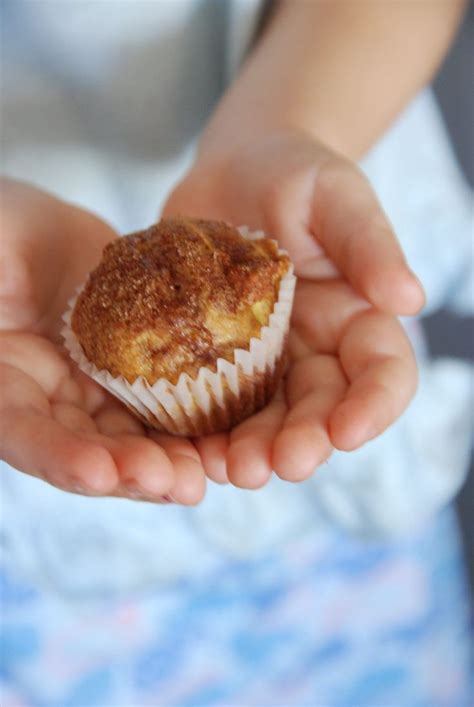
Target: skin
pixel 286 169
pixel 352 371
pixel 56 423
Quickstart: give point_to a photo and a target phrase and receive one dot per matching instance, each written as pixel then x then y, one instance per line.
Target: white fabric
pixel 101 104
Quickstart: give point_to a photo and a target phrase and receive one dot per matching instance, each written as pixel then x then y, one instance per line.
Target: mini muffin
pixel 170 310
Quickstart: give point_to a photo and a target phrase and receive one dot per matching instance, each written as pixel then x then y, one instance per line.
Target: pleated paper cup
pixel 216 400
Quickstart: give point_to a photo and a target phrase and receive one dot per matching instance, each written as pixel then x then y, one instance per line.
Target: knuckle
pixel 339 174
pixel 271 195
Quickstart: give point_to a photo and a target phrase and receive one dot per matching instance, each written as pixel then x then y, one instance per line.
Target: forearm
pixel 339 70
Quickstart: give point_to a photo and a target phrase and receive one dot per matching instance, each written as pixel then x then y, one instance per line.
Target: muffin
pixel 186 322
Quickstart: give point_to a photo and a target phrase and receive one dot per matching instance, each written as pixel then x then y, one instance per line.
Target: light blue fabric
pixel 418 181
pixel 319 622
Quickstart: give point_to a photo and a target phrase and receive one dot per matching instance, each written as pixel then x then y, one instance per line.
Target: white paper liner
pixel 214 401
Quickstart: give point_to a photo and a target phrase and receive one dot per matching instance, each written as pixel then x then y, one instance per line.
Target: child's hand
pixel 352 369
pixel 55 423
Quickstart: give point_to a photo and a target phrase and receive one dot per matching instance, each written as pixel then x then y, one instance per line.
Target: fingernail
pixel 167 498
pixel 316 267
pixel 79 488
pixel 136 492
pixel 415 278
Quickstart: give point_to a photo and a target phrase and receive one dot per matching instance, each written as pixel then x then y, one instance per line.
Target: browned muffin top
pixel 176 297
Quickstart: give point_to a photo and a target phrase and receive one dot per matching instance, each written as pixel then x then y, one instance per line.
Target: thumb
pixel 349 223
pixel 196 195
pixel 330 221
pixel 47 248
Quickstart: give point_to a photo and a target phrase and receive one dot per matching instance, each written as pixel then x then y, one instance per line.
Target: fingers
pixel 73 418
pixel 41 361
pixel 36 357
pixel 59 442
pixel 249 457
pixel 42 447
pixel 195 196
pixel 315 385
pixel 113 419
pixel 380 365
pixel 322 209
pixel 144 469
pixel 189 484
pixel 321 313
pixel 68 453
pixel 150 468
pixel 351 226
pixel 286 208
pixel 213 451
pixel 34 442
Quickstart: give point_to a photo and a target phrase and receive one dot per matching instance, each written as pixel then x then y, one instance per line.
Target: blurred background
pixel 449 335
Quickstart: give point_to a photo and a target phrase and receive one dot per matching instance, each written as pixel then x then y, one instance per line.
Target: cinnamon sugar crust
pixel 176 297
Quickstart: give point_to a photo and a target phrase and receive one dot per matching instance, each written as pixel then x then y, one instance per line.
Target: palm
pixel 333 394
pixel 57 424
pixel 351 370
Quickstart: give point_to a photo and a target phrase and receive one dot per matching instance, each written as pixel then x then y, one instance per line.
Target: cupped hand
pixel 352 371
pixel 55 422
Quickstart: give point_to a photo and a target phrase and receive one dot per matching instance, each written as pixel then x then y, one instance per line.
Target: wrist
pixel 338 72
